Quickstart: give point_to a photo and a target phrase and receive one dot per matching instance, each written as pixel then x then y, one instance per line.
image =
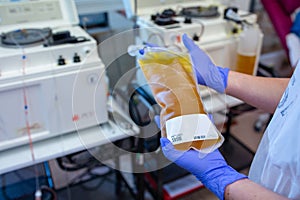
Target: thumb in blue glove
pixel 211 169
pixel 207 73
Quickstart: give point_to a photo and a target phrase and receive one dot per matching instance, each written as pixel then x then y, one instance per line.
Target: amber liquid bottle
pixel 245 63
pixel 247 50
pixel 174 87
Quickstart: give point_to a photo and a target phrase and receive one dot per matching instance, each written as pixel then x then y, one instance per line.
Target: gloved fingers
pixel 164 142
pixel 198 56
pixel 191 46
pixel 188 43
pixel 169 151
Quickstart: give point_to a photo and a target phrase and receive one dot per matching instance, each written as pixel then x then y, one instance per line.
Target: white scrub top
pixel 276 164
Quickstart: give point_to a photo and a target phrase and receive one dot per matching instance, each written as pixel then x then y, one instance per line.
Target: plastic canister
pixel 247 49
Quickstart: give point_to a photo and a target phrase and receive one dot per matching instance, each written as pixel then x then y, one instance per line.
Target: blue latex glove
pixel 207 73
pixel 211 169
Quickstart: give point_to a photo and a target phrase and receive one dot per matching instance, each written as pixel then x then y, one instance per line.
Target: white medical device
pixel 52 80
pixel 163 22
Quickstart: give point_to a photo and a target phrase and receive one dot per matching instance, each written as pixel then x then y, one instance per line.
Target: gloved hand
pixel 211 169
pixel 207 73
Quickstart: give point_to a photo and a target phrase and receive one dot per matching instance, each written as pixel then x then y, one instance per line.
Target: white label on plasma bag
pixel 189 128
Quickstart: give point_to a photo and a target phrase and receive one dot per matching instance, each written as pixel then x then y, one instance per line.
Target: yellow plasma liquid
pixel 245 64
pixel 174 87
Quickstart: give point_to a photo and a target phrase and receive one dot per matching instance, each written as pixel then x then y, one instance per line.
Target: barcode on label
pixel 197 137
pixel 176 138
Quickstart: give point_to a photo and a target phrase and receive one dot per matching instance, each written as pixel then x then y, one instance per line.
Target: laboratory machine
pixel 52 80
pixel 206 22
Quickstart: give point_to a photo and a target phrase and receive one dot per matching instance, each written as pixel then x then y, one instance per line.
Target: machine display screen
pixel 24 11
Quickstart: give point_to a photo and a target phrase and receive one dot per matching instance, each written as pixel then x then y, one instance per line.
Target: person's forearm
pixel 260 92
pixel 248 190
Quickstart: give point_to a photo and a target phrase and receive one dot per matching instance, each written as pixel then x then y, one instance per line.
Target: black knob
pixel 196 37
pixel 76 58
pixel 153 17
pixel 169 12
pixel 235 30
pixel 187 20
pixel 61 60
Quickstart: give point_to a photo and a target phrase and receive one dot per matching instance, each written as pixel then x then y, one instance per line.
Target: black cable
pixel 135 25
pixel 144 94
pixel 71 165
pixel 265 71
pixel 133 111
pixel 46 189
pixel 88 172
pixel 252 6
pixel 69 40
